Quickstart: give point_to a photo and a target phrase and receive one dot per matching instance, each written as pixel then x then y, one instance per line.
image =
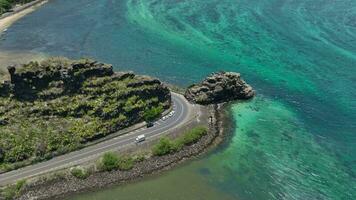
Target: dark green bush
pixel 5 5
pixel 163 147
pixel 152 113
pixel 109 161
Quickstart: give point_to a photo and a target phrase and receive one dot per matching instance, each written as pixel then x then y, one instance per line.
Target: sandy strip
pixel 6 22
pixel 8 58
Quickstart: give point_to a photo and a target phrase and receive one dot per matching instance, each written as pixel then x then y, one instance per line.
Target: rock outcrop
pixel 59 105
pixel 32 78
pixel 218 88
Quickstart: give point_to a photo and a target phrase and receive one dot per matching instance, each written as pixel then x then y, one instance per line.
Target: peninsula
pixel 73 123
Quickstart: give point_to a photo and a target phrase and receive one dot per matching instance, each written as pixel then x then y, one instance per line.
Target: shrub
pixel 194 135
pixel 109 161
pixel 163 147
pixel 166 146
pixel 4 6
pixel 152 113
pixel 125 163
pixel 79 172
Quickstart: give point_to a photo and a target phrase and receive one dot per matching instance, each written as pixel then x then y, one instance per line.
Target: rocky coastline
pixel 61 183
pixel 62 186
pixel 60 105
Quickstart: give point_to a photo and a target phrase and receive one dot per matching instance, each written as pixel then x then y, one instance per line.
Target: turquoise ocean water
pixel 295 140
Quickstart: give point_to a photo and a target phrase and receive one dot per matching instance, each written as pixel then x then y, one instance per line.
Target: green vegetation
pixel 166 145
pixel 125 163
pixel 47 115
pixel 6 5
pixel 152 113
pixel 111 161
pixel 13 191
pixel 79 172
pixel 193 135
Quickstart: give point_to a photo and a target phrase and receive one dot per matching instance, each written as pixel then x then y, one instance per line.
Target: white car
pixel 140 138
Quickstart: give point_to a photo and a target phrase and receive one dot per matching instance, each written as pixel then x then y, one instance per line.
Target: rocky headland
pixel 59 105
pixel 218 88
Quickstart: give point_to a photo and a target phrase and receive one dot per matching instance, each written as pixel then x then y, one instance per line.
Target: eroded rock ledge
pixel 219 88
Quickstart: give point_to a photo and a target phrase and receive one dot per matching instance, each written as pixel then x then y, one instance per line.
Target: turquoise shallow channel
pixel 295 140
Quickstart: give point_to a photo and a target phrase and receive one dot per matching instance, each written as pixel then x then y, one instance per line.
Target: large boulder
pixel 218 88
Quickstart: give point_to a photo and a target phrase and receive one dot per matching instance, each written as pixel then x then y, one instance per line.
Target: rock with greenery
pixel 219 88
pixel 59 105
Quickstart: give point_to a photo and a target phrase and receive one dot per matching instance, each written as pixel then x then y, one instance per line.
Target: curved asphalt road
pixel 181 115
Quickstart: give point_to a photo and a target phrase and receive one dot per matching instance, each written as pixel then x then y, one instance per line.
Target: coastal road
pixel 183 113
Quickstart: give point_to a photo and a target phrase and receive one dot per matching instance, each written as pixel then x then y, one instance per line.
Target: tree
pixel 5 5
pixel 152 113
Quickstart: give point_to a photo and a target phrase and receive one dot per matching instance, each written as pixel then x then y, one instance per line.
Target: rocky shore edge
pixel 58 188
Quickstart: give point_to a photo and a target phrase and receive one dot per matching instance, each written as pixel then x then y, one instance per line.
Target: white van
pixel 140 138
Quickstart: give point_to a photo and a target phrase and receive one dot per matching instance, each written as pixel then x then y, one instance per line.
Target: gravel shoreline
pixel 63 186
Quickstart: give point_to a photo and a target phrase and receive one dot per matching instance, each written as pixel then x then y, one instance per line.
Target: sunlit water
pixel 295 140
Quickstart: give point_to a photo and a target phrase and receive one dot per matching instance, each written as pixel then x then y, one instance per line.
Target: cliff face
pixel 33 78
pixel 57 105
pixel 218 88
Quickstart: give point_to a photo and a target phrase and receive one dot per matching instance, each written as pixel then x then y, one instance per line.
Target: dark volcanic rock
pixel 34 77
pixel 218 88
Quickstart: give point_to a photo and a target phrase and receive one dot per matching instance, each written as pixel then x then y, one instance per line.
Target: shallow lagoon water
pixel 295 140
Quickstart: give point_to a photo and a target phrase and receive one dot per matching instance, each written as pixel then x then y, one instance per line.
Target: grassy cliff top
pixel 58 105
